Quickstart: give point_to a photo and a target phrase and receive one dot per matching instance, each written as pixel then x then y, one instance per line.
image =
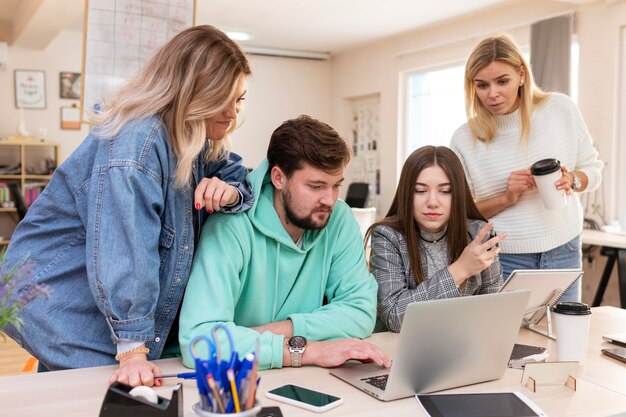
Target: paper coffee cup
pixel 546 172
pixel 571 321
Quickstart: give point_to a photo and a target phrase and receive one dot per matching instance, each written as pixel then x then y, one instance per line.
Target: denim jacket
pixel 114 240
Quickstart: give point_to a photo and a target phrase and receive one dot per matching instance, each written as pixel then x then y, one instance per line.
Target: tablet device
pixel 545 285
pixel 495 404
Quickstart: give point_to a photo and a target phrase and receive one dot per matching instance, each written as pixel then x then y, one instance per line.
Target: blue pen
pixel 184 375
pixel 244 368
pixel 234 362
pixel 203 387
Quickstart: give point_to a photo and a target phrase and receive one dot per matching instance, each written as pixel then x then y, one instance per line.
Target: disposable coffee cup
pixel 571 321
pixel 546 172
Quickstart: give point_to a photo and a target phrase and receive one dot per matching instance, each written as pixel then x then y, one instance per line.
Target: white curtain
pixel 550 53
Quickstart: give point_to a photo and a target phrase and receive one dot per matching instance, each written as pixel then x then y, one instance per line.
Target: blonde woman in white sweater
pixel 512 124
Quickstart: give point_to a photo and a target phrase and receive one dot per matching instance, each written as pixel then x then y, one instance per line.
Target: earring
pixel 521 84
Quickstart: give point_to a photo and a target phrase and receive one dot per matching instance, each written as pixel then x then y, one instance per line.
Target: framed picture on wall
pixel 70 117
pixel 30 89
pixel 69 85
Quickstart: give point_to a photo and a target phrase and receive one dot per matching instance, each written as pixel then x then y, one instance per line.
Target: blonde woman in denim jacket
pixel 114 232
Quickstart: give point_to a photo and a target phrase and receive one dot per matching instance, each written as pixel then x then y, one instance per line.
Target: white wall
pixel 63 54
pixel 279 89
pixel 282 88
pixel 378 68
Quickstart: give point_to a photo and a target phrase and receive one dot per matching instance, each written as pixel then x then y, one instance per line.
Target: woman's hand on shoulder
pixel 213 194
pixel 517 184
pixel 477 256
pixel 136 370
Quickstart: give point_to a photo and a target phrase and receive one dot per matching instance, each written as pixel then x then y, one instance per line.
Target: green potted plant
pixel 11 279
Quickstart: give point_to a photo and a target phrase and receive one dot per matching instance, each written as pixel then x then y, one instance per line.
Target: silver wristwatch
pixel 296 346
pixel 576 182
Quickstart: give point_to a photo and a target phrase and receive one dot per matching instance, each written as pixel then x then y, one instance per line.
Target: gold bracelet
pixel 131 352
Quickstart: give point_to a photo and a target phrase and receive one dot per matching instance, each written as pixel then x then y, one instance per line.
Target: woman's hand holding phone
pixel 478 255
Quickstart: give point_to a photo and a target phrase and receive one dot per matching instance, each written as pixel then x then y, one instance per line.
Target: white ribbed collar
pixel 508 122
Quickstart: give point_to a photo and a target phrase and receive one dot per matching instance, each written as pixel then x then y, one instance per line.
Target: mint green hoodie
pixel 248 272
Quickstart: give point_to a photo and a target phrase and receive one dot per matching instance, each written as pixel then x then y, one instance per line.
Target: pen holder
pixel 119 403
pixel 251 412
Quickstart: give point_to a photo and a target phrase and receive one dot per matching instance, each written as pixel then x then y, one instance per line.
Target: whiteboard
pixel 120 36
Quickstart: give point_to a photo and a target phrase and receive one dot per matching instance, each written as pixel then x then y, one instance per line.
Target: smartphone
pixel 304 397
pixel 492 233
pixel 618 353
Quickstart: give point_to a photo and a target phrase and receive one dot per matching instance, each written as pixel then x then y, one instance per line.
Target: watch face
pixel 297 342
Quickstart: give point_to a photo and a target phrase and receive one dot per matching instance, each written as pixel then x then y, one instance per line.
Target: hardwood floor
pixel 13 359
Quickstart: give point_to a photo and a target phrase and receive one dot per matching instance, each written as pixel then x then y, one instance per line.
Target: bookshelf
pixel 28 164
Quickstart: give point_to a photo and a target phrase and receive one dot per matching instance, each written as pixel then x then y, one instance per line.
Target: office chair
pixel 357 194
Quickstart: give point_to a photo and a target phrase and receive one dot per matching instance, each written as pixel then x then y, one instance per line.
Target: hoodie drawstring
pixel 276 268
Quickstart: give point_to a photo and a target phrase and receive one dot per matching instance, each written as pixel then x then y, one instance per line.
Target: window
pixel 436 107
pixel 436 103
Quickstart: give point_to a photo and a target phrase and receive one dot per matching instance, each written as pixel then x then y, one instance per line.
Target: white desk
pixel 600 369
pixel 600 386
pixel 614 247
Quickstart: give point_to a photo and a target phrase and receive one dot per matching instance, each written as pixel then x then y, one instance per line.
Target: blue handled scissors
pixel 203 369
pixel 213 364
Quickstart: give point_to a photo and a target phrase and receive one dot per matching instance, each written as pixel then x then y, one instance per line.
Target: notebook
pixel 545 285
pixel 445 344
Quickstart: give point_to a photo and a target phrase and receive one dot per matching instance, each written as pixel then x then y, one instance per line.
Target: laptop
pixel 616 338
pixel 445 344
pixel 546 287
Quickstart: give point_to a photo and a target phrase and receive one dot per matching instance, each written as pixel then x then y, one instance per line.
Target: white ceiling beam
pixel 38 22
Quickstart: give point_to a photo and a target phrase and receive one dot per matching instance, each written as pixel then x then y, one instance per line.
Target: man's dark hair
pixel 307 140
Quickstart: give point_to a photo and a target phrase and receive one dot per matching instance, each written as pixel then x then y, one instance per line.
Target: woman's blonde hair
pixel 190 79
pixel 500 48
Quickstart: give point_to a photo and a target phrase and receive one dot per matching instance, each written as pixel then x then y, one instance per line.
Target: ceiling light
pixel 239 36
pixel 286 53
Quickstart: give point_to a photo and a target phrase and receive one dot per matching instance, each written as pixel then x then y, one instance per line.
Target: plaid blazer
pixel 391 266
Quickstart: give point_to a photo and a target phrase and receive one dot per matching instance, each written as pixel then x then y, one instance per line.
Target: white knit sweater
pixel 557 131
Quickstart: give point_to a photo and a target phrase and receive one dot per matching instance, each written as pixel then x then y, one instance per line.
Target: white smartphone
pixel 304 397
pixel 504 404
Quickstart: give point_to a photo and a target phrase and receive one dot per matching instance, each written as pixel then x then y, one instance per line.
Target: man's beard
pixel 307 222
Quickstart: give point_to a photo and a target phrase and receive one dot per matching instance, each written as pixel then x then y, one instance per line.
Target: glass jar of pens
pixel 227 385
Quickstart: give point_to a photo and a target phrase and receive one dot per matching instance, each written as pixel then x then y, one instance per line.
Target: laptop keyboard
pixel 379 381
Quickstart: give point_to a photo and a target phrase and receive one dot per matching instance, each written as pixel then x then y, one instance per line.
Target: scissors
pixel 202 370
pixel 214 364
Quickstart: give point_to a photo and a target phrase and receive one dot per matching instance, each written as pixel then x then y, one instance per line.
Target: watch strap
pixel 297 346
pixel 575 181
pixel 296 359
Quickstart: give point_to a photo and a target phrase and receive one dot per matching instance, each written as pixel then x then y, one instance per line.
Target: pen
pixel 216 393
pixel 244 368
pixel 233 389
pixel 184 375
pixel 253 384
